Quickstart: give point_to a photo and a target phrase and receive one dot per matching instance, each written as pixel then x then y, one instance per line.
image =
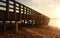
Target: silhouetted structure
pixel 15 15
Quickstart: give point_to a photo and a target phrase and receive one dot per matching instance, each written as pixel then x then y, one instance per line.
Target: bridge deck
pixel 41 32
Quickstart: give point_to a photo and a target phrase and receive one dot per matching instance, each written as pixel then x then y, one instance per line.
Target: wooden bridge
pixel 14 15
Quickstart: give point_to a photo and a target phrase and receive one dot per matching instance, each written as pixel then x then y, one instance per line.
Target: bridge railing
pixel 11 10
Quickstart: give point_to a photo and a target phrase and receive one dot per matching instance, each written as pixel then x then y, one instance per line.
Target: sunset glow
pixel 58 23
pixel 57 12
pixel 55 23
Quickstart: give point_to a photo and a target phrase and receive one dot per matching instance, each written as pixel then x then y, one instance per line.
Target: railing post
pixel 20 11
pixel 7 8
pixel 14 10
pixel 24 15
pixel 32 17
pixel 16 22
pixel 4 26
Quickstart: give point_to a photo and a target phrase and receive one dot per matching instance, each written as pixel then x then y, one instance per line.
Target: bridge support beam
pixel 16 23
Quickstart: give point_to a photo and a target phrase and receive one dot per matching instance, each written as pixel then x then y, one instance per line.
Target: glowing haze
pixel 50 8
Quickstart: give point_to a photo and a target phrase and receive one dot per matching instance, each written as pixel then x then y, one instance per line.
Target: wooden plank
pixel 13 8
pixel 3 1
pixel 2 6
pixel 13 5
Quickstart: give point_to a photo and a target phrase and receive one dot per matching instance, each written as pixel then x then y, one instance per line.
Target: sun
pixel 57 11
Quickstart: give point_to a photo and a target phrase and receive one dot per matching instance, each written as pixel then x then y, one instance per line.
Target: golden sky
pixel 46 7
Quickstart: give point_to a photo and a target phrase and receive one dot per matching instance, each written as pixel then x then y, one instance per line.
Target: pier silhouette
pixel 16 19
